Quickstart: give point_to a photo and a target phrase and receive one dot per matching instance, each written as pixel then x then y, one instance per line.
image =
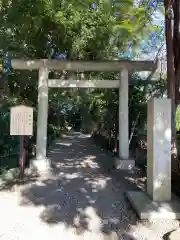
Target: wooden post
pixel 22 157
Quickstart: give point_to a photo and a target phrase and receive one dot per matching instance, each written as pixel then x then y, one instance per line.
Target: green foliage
pixel 178 118
pixel 39 29
pixel 27 27
pixel 8 144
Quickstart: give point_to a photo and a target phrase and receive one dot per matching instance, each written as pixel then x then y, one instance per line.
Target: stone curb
pixel 173 235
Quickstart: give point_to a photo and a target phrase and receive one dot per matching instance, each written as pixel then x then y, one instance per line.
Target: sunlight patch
pixel 99 183
pixel 93 220
pixel 72 176
pixel 40 184
pixel 64 144
pixel 89 162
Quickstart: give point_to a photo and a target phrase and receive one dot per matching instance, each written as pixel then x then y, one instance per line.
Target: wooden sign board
pixel 21 121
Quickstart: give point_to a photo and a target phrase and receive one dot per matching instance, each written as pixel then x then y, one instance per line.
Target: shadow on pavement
pixel 84 193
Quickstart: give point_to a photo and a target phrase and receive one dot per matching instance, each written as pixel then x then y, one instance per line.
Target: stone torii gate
pixel 41 162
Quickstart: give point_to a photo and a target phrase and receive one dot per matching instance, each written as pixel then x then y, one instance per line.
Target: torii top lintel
pixel 101 66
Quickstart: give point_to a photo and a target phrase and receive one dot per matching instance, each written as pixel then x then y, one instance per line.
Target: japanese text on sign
pixel 21 122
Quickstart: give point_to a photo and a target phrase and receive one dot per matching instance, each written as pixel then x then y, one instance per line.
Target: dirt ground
pixel 81 199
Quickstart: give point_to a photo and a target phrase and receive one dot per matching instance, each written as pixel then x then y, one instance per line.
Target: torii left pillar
pixel 123 162
pixel 41 163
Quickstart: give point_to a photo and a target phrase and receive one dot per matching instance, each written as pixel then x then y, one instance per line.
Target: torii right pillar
pixel 123 162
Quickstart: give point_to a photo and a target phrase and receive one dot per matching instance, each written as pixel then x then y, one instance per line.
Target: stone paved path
pixel 80 200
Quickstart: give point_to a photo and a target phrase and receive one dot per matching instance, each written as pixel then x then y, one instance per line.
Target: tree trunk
pixel 176 48
pixel 170 33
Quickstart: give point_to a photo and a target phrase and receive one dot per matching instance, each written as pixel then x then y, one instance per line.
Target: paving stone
pixel 174 235
pixel 78 196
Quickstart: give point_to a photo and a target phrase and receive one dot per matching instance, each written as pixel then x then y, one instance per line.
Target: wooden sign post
pixel 21 124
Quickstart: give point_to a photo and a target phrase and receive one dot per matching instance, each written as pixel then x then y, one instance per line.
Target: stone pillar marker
pixel 157 202
pixel 159 149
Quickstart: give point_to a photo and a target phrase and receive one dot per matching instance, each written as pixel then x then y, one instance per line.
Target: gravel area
pixel 82 199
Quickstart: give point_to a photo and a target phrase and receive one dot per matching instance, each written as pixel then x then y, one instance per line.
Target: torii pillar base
pixel 41 167
pixel 127 164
